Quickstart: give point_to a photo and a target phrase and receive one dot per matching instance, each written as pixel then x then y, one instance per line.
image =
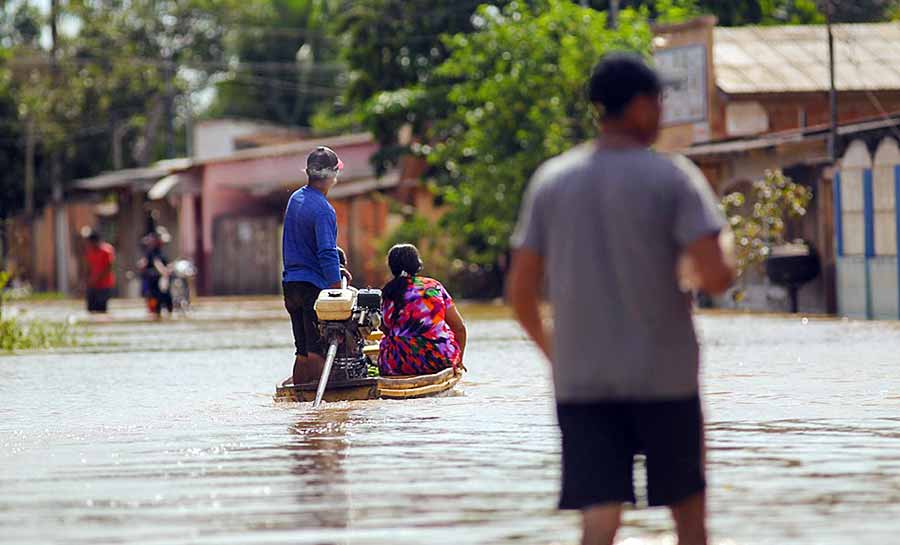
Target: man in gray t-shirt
pixel 601 232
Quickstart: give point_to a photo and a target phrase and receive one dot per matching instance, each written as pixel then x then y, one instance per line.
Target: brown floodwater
pixel 164 433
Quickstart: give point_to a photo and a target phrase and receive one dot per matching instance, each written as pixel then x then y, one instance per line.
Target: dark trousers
pixel 600 441
pixel 299 300
pixel 97 299
pixel 159 298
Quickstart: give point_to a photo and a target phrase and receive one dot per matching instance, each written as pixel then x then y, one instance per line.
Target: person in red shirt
pixel 100 257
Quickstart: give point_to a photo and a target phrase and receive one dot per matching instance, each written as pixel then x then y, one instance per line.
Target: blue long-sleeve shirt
pixel 309 242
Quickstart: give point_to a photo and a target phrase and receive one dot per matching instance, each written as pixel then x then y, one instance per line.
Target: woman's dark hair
pixel 402 258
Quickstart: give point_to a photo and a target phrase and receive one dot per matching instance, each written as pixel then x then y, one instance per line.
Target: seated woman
pixel 423 330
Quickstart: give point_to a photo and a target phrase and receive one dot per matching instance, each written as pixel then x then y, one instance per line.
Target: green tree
pixel 287 63
pixel 516 87
pixel 142 54
pixel 797 12
pixel 11 149
pixel 759 219
pixel 108 81
pixel 392 48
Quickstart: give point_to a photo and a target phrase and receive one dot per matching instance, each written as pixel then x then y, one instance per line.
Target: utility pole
pixel 832 92
pixel 29 168
pixel 830 272
pixel 188 125
pixel 613 13
pixel 60 220
pixel 169 105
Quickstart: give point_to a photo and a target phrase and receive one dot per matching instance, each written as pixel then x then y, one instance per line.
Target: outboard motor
pixel 346 318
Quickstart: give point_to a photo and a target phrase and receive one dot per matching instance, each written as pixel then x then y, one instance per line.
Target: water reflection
pixel 320 450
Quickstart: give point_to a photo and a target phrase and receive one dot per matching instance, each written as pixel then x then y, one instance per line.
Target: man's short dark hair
pixel 618 78
pixel 322 164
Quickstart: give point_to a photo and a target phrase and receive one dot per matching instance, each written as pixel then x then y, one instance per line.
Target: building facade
pixel 751 99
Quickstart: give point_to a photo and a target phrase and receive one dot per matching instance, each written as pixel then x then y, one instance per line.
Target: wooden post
pixel 832 91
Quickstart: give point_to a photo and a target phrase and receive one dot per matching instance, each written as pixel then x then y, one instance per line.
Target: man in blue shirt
pixel 310 255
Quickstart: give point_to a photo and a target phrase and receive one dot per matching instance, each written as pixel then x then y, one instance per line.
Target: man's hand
pixel 709 264
pixel 526 276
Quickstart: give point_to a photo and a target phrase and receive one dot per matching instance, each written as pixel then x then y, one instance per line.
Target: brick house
pixel 755 98
pixel 225 207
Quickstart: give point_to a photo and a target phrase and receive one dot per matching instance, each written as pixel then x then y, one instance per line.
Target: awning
pixel 131 177
pixel 180 183
pixel 810 134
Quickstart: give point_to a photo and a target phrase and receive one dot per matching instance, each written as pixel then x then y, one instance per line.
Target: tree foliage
pixel 287 63
pixel 759 218
pixel 107 80
pixel 392 48
pixel 516 87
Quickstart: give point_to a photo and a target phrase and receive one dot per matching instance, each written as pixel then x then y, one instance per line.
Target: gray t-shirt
pixel 610 225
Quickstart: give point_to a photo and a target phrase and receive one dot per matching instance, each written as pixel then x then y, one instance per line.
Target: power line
pixel 37 61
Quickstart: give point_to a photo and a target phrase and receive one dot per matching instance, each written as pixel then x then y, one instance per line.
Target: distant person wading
pixel 100 257
pixel 605 225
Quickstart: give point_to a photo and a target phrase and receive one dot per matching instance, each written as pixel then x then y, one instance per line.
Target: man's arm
pixel 711 263
pixel 702 232
pixel 111 259
pixel 326 248
pixel 526 276
pixel 160 266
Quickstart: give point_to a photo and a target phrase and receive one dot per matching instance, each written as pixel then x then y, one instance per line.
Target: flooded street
pixel 167 433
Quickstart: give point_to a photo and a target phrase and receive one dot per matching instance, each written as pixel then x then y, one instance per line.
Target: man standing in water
pixel 310 255
pixel 605 224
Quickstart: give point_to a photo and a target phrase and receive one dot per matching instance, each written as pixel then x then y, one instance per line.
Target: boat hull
pixel 407 387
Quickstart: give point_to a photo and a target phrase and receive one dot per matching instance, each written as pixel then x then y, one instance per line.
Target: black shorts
pixel 97 299
pixel 299 300
pixel 600 440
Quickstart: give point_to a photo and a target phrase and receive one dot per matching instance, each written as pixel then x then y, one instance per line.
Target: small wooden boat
pixel 399 387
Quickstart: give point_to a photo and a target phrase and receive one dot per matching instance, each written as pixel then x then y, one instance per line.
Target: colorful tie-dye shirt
pixel 418 340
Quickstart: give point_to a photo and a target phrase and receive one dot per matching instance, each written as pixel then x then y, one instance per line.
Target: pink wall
pixel 220 181
pixel 245 187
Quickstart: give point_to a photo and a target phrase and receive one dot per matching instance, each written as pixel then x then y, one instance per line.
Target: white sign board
pixel 684 97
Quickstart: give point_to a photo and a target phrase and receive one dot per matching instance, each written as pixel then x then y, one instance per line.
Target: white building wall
pixel 869 286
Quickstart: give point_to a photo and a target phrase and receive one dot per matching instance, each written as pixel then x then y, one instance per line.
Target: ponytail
pixel 405 263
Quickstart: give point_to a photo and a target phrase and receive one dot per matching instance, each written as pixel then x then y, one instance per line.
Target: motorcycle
pixel 180 280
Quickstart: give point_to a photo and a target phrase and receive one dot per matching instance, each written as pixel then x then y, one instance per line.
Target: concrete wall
pixel 215 137
pixel 867 231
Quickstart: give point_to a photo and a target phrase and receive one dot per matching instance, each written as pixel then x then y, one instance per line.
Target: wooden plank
pixel 415 381
pixel 421 391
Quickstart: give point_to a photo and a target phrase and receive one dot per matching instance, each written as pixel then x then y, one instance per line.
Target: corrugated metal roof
pixel 121 178
pixel 784 59
pixel 741 145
